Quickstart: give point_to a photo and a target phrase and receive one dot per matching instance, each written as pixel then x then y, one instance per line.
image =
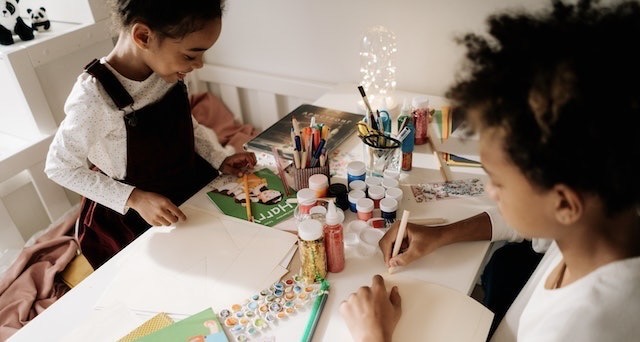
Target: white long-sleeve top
pixel 94 130
pixel 602 306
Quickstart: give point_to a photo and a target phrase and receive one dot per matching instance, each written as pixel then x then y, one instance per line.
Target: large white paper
pixel 436 313
pixel 209 260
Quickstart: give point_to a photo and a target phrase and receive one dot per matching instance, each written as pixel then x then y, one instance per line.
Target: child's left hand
pixel 238 163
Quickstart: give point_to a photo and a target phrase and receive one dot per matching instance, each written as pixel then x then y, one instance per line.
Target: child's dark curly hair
pixel 565 87
pixel 173 19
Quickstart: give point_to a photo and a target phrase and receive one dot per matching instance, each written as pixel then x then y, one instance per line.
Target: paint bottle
pixel 364 207
pixel 334 239
pixel 407 148
pixel 376 193
pixel 339 191
pixel 320 184
pixel 388 209
pixel 421 116
pixel 358 185
pixel 356 170
pixel 354 196
pixel 312 252
pixel 306 199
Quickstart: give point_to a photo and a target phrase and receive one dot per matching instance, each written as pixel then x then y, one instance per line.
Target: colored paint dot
pixel 225 313
pixel 289 295
pixel 282 314
pixel 290 310
pixel 230 321
pixel 260 323
pixel 252 305
pixel 249 314
pixel 236 307
pixel 297 289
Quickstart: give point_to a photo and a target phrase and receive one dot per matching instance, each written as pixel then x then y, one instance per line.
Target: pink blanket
pixel 210 111
pixel 31 284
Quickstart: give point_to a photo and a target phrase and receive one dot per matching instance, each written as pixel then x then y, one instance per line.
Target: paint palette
pixel 249 321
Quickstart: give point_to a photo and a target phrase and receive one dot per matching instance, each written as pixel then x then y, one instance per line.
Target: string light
pixel 377 65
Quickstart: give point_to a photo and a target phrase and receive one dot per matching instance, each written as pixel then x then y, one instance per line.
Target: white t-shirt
pixel 94 130
pixel 602 306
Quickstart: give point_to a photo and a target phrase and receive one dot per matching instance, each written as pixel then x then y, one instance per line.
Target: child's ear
pixel 141 35
pixel 569 205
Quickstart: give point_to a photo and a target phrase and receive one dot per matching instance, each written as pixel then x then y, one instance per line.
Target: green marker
pixel 316 311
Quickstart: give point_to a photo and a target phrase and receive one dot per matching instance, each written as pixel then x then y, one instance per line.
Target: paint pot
pixel 388 209
pixel 358 185
pixel 376 193
pixel 364 207
pixel 354 196
pixel 306 200
pixel 356 170
pixel 320 184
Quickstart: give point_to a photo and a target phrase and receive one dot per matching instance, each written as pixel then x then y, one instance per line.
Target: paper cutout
pixel 210 259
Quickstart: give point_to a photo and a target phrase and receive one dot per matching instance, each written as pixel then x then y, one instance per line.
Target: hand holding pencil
pixel 416 241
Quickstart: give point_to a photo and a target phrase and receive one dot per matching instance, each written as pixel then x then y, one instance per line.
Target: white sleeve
pixel 67 163
pixel 500 231
pixel 208 146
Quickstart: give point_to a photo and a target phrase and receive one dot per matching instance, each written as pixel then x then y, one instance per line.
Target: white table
pixel 456 266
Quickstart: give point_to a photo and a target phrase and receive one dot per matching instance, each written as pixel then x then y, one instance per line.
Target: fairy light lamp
pixel 377 66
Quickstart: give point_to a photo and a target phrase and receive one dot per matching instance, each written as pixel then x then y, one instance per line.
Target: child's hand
pixel 238 163
pixel 371 313
pixel 154 208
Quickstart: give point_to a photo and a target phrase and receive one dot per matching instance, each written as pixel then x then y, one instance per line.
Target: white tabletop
pixel 456 266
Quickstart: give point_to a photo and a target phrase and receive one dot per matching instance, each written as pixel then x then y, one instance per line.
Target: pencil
pixel 400 236
pixel 247 198
pixel 316 311
pixel 428 221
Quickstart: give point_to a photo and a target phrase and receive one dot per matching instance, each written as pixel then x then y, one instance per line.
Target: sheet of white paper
pixel 436 313
pixel 210 259
pixel 105 325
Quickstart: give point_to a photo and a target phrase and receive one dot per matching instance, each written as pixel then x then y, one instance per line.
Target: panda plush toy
pixel 39 20
pixel 11 23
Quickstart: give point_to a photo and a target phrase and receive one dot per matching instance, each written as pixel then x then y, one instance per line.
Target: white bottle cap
pixel 358 185
pixel 388 173
pixel 356 168
pixel 310 230
pixel 306 196
pixel 395 193
pixel 376 192
pixel 388 183
pixel 318 181
pixel 388 205
pixel 355 195
pixel 364 205
pixel 420 102
pixel 373 180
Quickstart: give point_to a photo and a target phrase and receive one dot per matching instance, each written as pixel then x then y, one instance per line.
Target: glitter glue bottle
pixel 312 253
pixel 420 113
pixel 334 239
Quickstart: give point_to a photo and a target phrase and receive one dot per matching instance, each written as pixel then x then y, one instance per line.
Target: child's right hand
pixel 419 242
pixel 156 209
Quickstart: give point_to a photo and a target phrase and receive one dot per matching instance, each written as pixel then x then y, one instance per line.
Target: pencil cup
pixel 380 159
pixel 301 176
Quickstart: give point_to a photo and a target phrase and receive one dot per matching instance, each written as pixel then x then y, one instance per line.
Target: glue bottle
pixel 334 239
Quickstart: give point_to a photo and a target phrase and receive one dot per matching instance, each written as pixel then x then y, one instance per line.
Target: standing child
pixel 128 116
pixel 542 92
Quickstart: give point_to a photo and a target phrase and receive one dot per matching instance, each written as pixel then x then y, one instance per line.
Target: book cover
pixel 341 124
pixel 200 327
pixel 266 191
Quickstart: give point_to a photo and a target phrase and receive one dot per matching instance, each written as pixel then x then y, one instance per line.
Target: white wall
pixel 320 39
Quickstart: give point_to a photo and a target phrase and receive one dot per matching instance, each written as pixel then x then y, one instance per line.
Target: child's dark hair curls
pixel 173 19
pixel 564 87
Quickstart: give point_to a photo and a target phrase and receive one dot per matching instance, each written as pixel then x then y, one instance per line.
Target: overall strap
pixel 114 88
